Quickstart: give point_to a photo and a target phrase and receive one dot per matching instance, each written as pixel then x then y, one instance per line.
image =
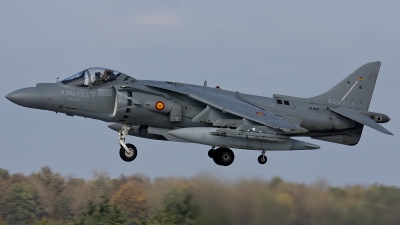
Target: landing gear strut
pixel 262 159
pixel 222 156
pixel 127 152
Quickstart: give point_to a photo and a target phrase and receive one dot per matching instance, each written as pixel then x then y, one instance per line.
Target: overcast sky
pixel 297 48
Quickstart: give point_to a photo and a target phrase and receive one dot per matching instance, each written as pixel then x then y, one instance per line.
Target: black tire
pixel 262 159
pixel 216 157
pixel 211 153
pixel 125 155
pixel 223 156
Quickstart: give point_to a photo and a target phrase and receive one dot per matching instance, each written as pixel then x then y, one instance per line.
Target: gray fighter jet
pixel 222 119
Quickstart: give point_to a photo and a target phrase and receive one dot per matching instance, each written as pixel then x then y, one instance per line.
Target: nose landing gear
pixel 128 155
pixel 127 152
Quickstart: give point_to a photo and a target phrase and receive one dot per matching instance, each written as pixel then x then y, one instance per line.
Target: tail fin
pixel 355 91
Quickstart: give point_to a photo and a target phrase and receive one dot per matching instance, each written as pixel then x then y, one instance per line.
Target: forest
pixel 47 197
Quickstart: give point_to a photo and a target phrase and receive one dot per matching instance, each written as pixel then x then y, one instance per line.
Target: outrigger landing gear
pixel 262 159
pixel 127 152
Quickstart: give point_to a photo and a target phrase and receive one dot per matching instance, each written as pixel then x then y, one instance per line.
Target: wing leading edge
pixel 231 104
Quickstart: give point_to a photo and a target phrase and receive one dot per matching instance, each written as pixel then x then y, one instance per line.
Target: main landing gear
pixel 225 156
pixel 222 156
pixel 127 152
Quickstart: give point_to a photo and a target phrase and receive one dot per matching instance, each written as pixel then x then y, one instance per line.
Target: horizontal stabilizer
pixel 361 118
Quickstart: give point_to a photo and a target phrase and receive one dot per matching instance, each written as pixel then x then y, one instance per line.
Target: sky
pixel 296 48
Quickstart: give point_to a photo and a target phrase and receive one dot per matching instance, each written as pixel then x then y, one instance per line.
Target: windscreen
pixel 92 77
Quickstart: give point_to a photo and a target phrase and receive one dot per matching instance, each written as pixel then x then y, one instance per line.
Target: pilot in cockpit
pixel 98 80
pixel 110 76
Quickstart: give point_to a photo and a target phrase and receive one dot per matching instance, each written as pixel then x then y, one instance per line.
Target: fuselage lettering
pixel 77 94
pixel 340 102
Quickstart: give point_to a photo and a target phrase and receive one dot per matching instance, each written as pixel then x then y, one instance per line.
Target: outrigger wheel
pixel 262 159
pixel 130 155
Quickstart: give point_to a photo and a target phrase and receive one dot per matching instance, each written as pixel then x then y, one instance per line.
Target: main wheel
pixel 211 153
pixel 262 159
pixel 128 156
pixel 223 156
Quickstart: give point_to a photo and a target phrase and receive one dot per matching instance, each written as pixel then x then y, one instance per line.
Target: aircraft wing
pixel 361 118
pixel 231 104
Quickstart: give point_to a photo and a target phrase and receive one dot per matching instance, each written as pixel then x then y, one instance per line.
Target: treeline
pixel 49 198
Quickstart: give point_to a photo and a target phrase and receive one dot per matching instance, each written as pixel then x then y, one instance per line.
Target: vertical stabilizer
pixel 353 92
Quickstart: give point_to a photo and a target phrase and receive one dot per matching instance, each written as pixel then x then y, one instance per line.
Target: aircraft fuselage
pixel 211 116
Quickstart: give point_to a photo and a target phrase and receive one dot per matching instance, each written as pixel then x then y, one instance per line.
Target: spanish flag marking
pixel 160 105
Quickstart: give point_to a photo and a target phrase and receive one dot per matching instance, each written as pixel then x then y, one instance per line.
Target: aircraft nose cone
pixel 9 97
pixel 27 97
pixel 14 96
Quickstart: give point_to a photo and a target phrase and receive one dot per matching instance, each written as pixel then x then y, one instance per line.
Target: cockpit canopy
pixel 92 77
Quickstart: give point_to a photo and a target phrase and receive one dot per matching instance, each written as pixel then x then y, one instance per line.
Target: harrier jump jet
pixel 221 119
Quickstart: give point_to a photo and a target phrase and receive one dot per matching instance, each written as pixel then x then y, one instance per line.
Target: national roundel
pixel 160 105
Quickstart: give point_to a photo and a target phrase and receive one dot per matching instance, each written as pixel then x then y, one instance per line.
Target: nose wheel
pixel 262 159
pixel 130 155
pixel 127 152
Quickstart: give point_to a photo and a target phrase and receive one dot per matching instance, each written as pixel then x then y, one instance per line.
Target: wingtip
pixel 385 131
